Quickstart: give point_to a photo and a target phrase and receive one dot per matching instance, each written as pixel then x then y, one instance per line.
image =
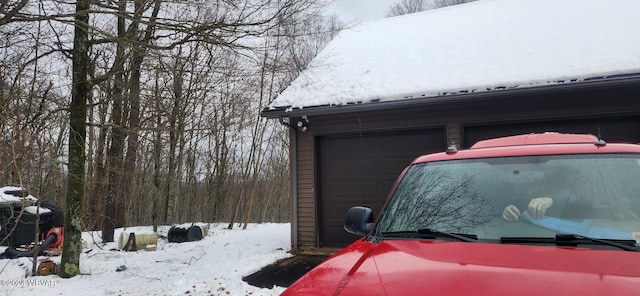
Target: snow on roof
pixel 36 210
pixel 10 195
pixel 473 47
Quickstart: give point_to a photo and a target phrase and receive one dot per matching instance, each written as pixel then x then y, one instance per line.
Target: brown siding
pixel 454 135
pixel 611 128
pixel 306 197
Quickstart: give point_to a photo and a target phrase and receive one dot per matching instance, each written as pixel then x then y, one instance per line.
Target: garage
pixel 359 169
pixel 342 112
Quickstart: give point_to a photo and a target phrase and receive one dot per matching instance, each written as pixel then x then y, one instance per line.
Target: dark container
pixel 180 235
pixel 17 230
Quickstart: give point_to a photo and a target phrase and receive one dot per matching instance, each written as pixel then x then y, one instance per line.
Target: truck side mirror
pixel 359 221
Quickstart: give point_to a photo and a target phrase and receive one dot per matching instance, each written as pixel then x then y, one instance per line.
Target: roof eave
pixel 627 80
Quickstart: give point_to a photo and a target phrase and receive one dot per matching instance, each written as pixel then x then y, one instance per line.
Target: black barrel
pixel 180 235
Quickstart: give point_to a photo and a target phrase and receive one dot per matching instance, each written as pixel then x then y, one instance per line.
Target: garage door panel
pixel 393 166
pixel 360 169
pixel 349 146
pixel 352 167
pixel 343 190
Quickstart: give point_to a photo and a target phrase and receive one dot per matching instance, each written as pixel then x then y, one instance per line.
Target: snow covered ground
pixel 212 266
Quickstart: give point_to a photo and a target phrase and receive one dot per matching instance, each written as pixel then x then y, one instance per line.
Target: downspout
pixel 293 157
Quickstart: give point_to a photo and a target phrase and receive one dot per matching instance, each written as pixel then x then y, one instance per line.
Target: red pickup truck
pixel 535 214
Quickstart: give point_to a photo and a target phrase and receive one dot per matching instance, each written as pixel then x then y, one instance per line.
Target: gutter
pixel 597 82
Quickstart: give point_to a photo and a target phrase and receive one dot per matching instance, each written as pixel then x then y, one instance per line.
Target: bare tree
pixel 445 3
pixel 70 263
pixel 409 6
pixel 412 6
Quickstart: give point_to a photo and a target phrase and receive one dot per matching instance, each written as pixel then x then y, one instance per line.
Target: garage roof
pixel 478 47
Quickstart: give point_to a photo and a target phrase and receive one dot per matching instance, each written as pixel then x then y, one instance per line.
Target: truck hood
pixel 409 267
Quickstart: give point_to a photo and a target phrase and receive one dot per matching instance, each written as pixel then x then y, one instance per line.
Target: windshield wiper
pixel 430 233
pixel 573 240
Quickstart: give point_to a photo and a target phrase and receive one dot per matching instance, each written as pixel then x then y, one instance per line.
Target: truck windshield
pixel 594 195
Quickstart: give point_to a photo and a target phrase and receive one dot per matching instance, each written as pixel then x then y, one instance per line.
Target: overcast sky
pixel 361 10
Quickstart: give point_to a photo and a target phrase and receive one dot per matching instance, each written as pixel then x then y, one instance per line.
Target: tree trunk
pixel 137 58
pixel 157 150
pixel 174 137
pixel 95 207
pixel 116 149
pixel 70 262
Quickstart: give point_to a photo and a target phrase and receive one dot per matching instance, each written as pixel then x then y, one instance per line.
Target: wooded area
pixel 173 94
pixel 146 112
